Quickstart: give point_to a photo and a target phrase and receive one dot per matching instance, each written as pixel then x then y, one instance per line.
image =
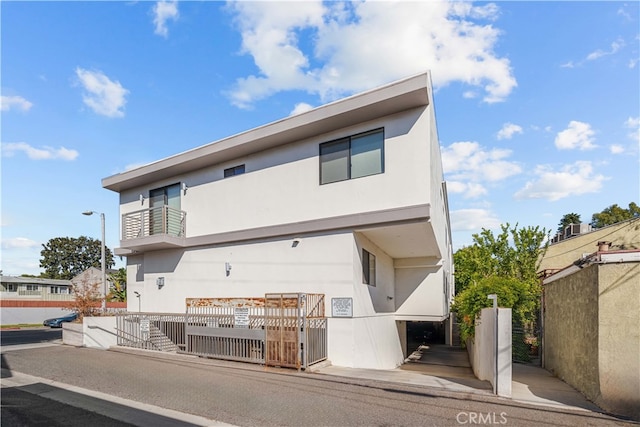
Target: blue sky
pixel 537 103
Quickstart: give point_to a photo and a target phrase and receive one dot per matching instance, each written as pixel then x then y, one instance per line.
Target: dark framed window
pixel 368 268
pixel 352 157
pixel 164 215
pixel 236 170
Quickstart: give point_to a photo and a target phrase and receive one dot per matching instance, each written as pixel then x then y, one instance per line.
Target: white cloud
pixel 473 219
pixel 300 108
pixel 103 96
pixel 616 149
pixel 508 130
pixel 468 161
pixel 470 190
pixel 577 135
pixel 162 12
pixel 571 180
pixel 597 54
pixel 19 243
pixel 44 153
pixel 388 40
pixel 633 123
pixel 615 47
pixel 14 102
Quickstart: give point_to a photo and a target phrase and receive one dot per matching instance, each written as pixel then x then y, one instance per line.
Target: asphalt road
pixel 29 336
pixel 250 395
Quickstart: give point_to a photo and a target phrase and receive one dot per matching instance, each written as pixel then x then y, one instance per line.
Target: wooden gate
pixel 283 325
pixel 296 330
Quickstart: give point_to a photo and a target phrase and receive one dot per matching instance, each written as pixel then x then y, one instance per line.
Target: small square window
pixel 236 170
pixel 368 268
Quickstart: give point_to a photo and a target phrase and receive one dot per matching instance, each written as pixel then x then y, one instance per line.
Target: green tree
pixel 614 214
pixel 571 218
pixel 66 257
pixel 119 280
pixel 510 258
pixel 511 293
pixel 469 267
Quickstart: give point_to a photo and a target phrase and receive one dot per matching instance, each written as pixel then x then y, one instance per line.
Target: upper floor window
pixel 164 215
pixel 33 287
pixel 368 268
pixel 352 157
pixel 11 287
pixel 236 170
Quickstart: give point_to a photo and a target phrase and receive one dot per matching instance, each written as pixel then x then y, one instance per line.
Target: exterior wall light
pixel 227 268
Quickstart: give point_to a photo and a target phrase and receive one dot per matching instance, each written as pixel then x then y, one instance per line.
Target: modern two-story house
pixel 346 200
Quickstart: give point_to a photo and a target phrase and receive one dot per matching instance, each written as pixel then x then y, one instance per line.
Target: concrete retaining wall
pixel 482 350
pixel 30 315
pixel 100 332
pixel 94 332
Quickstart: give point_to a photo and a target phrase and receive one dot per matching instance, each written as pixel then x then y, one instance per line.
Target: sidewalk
pixel 448 368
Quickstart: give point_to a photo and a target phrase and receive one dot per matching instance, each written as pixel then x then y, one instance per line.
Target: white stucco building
pixel 346 200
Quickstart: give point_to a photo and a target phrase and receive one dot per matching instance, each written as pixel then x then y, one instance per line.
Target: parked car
pixel 57 322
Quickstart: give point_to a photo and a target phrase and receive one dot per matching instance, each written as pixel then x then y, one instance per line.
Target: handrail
pixel 158 220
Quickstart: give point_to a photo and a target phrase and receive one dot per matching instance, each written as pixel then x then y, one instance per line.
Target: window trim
pixel 348 140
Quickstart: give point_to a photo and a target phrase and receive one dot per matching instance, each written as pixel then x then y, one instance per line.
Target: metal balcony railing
pixel 159 220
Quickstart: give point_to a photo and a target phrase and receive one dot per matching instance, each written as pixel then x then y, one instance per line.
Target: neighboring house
pixel 579 240
pixel 591 313
pixel 93 275
pixel 30 300
pixel 35 289
pixel 346 200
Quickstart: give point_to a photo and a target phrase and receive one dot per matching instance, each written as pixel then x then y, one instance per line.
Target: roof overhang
pixel 393 98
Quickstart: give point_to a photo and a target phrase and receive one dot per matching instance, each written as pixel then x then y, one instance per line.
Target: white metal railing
pixel 159 220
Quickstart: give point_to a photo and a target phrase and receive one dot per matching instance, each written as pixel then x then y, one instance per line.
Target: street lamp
pixel 102 260
pixel 138 296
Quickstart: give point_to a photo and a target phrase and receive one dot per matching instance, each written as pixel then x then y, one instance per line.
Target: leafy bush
pixel 87 299
pixel 520 296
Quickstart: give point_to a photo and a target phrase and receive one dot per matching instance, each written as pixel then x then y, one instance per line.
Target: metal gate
pixel 287 330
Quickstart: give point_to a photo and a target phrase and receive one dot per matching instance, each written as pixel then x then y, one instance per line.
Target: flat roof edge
pixel 397 96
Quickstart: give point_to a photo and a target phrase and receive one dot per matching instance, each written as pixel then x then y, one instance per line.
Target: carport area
pixel 425 333
pixel 450 363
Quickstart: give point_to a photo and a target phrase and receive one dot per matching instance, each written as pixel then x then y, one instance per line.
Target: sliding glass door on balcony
pixel 165 215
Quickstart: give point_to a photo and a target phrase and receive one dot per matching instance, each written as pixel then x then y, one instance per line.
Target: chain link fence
pixel 525 345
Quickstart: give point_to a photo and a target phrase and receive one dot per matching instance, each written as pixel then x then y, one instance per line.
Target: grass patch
pixel 21 325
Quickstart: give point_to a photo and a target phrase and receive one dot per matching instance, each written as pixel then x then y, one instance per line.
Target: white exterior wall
pixel 282 185
pixel 325 264
pixel 281 189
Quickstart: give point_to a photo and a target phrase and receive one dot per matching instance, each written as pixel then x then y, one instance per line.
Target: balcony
pixel 160 227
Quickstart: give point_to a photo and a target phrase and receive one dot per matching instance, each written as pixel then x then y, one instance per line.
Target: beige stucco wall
pixel 592 339
pixel 619 338
pixel 571 330
pixel 624 236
